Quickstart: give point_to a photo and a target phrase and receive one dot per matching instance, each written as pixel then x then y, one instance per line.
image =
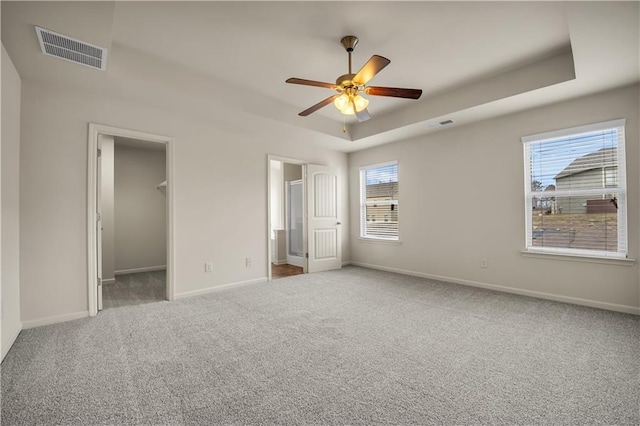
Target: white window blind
pixel 379 201
pixel 575 191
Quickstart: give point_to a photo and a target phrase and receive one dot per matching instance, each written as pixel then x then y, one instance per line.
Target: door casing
pixel 92 194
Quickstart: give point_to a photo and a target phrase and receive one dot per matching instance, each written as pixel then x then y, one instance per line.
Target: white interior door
pixel 323 224
pixel 99 222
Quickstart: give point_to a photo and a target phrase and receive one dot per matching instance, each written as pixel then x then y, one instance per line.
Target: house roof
pixel 227 62
pixel 605 157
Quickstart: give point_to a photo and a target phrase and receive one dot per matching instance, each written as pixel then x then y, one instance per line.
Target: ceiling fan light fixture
pixel 342 102
pixel 361 102
pixel 345 102
pixel 349 86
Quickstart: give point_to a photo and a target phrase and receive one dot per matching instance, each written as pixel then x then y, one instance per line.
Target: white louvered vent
pixel 72 50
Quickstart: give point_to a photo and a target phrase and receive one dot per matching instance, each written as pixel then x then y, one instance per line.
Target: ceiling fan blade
pixel 318 105
pixel 393 92
pixel 363 115
pixel 311 83
pixel 370 69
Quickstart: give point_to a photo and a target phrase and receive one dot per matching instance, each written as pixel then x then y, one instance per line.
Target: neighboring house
pixel 595 170
pixel 384 215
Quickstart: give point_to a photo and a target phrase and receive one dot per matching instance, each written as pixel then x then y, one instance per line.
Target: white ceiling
pixel 223 60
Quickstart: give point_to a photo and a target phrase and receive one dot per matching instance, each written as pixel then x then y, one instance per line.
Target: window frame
pixel 363 203
pixel 620 191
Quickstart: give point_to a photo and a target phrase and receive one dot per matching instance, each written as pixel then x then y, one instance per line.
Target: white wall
pixel 277 197
pixel 106 144
pixel 275 211
pixel 10 204
pixel 140 209
pixel 220 193
pixel 443 177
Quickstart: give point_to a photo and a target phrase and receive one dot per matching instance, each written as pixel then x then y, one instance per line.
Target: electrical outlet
pixel 208 266
pixel 248 261
pixel 484 263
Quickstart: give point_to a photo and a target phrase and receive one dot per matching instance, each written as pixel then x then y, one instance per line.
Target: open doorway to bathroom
pixel 287 231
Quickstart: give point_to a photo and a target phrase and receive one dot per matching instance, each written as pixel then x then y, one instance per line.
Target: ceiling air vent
pixel 72 50
pixel 440 124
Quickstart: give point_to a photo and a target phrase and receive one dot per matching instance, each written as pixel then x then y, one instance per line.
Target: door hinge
pixel 99 152
pixel 99 282
pixel 98 217
pixel 306 255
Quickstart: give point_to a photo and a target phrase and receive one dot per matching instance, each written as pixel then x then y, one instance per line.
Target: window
pixel 575 191
pixel 379 201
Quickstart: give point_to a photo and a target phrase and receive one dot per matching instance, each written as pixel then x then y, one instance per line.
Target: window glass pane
pixel 586 223
pixel 382 220
pixel 575 189
pixel 379 201
pixel 382 183
pixel 584 161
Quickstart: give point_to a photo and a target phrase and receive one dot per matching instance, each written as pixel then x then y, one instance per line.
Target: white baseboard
pixel 531 293
pixel 136 270
pixel 108 280
pixel 280 262
pixel 54 319
pixel 219 288
pixel 12 339
pixel 346 263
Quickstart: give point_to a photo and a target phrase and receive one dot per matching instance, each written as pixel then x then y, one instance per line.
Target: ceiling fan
pixel 349 100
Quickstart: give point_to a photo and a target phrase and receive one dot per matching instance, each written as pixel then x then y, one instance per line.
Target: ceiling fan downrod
pixel 349 43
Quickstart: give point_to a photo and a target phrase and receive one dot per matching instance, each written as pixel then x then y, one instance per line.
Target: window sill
pixel 578 258
pixel 379 241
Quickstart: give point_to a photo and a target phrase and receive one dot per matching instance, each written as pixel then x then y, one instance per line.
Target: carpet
pixel 354 346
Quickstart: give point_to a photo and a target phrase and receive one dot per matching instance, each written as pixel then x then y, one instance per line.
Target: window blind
pixel 379 201
pixel 575 190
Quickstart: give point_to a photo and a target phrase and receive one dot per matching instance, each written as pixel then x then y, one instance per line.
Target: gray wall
pixel 140 209
pixel 10 204
pixel 442 176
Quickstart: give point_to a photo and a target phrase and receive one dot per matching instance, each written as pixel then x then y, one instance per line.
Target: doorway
pixel 304 232
pixel 286 209
pixel 133 218
pixel 130 212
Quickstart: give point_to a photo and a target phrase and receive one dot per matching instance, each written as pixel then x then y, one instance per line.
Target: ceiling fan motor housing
pixel 346 81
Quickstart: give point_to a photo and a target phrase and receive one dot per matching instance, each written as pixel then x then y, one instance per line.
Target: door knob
pixel 338 223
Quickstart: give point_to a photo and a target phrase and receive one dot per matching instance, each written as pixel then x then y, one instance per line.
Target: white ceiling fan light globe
pixel 348 110
pixel 341 102
pixel 361 102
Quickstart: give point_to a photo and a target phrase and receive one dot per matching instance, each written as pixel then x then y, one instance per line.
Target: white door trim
pixel 92 179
